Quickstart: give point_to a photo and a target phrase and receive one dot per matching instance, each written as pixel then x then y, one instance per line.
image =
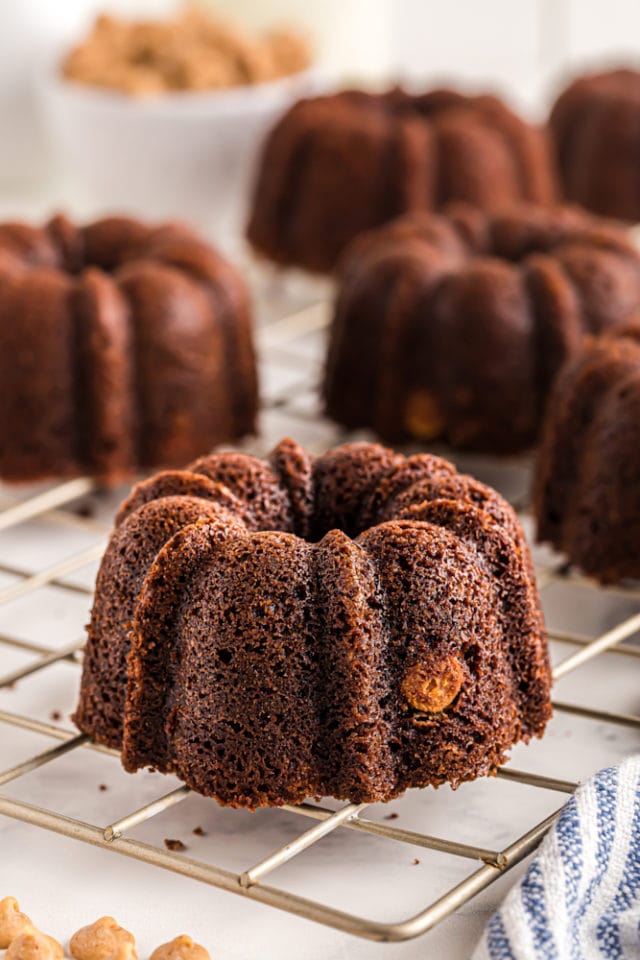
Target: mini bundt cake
pixel 452 327
pixel 122 347
pixel 587 487
pixel 337 165
pixel 349 625
pixel 595 124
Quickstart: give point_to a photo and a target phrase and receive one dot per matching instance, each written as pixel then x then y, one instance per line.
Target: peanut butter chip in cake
pixel 432 687
pixel 422 416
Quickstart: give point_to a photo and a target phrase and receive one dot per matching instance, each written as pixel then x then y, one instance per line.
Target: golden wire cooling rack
pixel 292 348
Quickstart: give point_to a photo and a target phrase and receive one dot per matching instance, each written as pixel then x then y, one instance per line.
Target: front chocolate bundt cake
pixel 336 165
pixel 350 625
pixel 453 327
pixel 122 347
pixel 595 124
pixel 587 485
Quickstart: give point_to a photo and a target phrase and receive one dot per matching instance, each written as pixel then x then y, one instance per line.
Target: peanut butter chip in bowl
pixel 432 687
pixel 180 948
pixel 192 51
pixel 33 945
pixel 102 940
pixel 12 921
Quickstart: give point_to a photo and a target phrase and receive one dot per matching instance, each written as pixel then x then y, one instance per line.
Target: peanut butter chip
pixel 180 948
pixel 102 940
pixel 33 945
pixel 124 951
pixel 431 687
pixel 422 415
pixel 191 51
pixel 12 921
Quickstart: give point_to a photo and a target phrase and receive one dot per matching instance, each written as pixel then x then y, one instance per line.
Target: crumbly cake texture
pixel 122 347
pixel 587 484
pixel 595 124
pixel 452 327
pixel 349 625
pixel 337 165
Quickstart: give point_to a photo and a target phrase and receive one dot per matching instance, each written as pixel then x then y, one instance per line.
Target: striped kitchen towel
pixel 580 898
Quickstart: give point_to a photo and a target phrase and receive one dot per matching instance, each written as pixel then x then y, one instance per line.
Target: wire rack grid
pixel 291 344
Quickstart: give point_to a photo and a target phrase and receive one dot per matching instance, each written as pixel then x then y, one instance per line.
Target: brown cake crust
pixel 595 124
pixel 354 624
pixel 587 484
pixel 123 347
pixel 452 327
pixel 335 166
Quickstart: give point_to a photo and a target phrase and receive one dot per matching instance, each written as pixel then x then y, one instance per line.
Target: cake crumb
pixel 416 862
pixel 56 715
pixel 102 787
pixel 392 816
pixel 199 832
pixel 176 846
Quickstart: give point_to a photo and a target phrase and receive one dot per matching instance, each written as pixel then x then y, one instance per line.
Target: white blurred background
pixel 522 50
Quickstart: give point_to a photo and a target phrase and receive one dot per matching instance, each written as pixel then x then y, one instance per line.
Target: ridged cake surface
pixel 453 327
pixel 350 625
pixel 587 488
pixel 122 347
pixel 595 124
pixel 336 165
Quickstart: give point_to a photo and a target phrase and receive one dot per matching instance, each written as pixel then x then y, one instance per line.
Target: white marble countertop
pixel 64 884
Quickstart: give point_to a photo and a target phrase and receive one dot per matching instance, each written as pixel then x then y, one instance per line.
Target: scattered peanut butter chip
pixel 101 940
pixel 124 951
pixel 431 686
pixel 33 945
pixel 180 948
pixel 199 832
pixel 12 921
pixel 177 846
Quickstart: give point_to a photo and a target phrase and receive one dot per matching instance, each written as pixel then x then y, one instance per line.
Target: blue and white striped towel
pixel 580 898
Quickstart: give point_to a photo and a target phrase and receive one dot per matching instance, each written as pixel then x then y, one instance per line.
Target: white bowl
pixel 179 155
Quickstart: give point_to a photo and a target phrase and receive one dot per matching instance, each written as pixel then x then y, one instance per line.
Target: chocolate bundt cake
pixel 587 487
pixel 350 625
pixel 595 124
pixel 121 347
pixel 337 165
pixel 452 327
